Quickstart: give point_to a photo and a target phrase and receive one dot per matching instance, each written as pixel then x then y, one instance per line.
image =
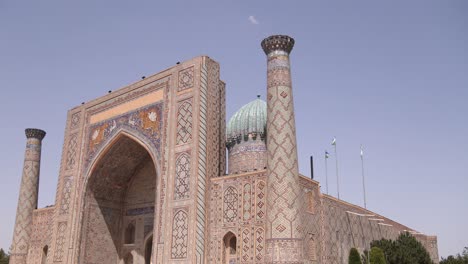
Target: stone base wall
pixel 41 238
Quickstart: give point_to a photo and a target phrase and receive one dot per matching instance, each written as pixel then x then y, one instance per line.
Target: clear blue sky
pixel 392 75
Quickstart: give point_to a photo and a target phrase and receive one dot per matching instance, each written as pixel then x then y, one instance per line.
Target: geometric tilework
pixel 230 204
pixel 66 195
pixel 246 245
pixel 75 120
pixel 41 236
pixel 184 123
pixel 179 235
pixel 60 242
pixel 260 247
pixel 246 202
pixel 260 201
pixel 71 153
pixel 182 177
pixel 185 79
pixel 283 177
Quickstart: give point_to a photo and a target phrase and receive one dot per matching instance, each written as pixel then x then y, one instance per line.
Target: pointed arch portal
pixel 119 203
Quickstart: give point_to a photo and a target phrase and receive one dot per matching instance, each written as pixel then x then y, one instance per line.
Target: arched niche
pixel 45 251
pixel 230 248
pixel 148 249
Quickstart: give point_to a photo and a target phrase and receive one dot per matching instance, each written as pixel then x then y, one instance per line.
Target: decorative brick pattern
pixel 42 228
pixel 71 152
pixel 182 178
pixel 186 79
pixel 246 202
pixel 75 120
pixel 60 242
pixel 260 246
pixel 184 123
pixel 179 235
pixel 260 201
pixel 246 241
pixel 230 204
pixel 66 195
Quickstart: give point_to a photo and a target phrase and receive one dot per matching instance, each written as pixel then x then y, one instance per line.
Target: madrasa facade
pixel 144 178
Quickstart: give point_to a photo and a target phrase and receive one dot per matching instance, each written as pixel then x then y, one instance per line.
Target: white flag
pixel 334 141
pixel 362 151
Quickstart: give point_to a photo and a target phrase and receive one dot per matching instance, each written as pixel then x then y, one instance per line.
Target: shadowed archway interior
pixel 119 204
pixel 230 248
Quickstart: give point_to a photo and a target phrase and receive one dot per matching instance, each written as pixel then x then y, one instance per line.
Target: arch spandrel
pixel 145 125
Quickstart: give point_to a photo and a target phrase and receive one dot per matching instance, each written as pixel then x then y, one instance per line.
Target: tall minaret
pixel 284 239
pixel 27 200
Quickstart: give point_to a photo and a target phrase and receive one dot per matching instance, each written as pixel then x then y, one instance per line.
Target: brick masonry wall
pixel 41 235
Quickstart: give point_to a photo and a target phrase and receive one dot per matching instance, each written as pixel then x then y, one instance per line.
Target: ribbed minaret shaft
pixel 284 239
pixel 28 195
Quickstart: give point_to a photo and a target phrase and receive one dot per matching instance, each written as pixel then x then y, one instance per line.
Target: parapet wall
pixel 344 226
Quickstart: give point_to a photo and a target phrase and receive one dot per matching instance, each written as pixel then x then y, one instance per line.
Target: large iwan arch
pixel 119 192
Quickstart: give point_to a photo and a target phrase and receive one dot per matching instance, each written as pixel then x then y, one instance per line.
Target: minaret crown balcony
pixel 277 43
pixel 35 133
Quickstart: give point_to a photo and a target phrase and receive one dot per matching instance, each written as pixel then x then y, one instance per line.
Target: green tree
pixel 4 258
pixel 459 259
pixel 377 256
pixel 354 257
pixel 405 250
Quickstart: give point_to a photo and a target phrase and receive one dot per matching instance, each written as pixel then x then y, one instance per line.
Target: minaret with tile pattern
pixel 27 201
pixel 284 239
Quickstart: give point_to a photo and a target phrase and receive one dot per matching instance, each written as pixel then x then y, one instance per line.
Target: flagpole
pixel 337 177
pixel 326 171
pixel 363 179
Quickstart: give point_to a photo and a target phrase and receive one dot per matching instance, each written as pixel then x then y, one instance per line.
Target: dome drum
pixel 240 138
pixel 246 138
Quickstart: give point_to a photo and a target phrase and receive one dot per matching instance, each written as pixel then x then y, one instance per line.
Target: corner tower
pixel 27 201
pixel 284 239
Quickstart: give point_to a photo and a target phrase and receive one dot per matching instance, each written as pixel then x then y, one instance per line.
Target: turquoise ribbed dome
pixel 249 119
